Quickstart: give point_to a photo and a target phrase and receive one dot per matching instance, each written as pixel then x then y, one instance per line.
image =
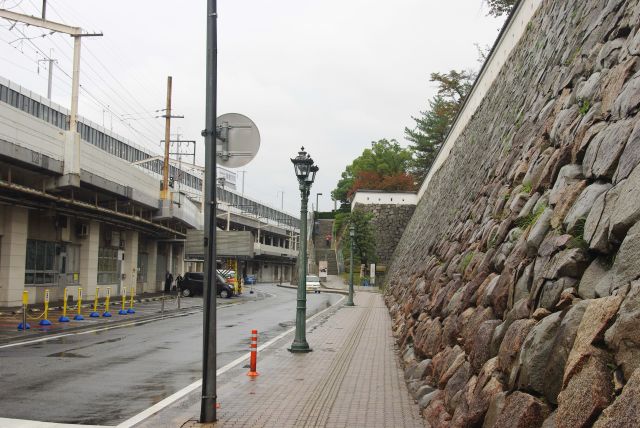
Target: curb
pixel 324 290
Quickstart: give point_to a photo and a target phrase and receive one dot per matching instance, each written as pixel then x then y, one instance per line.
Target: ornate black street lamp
pixel 352 235
pixel 306 173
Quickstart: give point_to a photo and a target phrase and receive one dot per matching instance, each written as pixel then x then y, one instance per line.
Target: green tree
pixel 384 158
pixel 364 243
pixel 500 7
pixel 433 124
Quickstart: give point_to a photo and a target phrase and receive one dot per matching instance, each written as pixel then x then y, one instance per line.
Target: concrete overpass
pixel 105 226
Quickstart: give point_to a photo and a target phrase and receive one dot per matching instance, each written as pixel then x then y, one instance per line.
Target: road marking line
pixel 58 336
pixel 197 384
pixel 25 423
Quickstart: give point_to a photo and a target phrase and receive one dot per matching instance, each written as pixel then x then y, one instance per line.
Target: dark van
pixel 192 283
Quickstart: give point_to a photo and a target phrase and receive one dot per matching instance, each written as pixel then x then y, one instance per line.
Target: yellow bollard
pixel 45 320
pixel 63 317
pixel 106 303
pixel 95 313
pixel 123 311
pixel 79 316
pixel 131 310
pixel 24 325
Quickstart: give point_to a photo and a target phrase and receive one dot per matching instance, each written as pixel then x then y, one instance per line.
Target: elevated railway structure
pixel 105 224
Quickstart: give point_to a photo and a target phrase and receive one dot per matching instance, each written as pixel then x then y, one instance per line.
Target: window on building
pixel 143 262
pixel 107 266
pixel 40 266
pixel 70 259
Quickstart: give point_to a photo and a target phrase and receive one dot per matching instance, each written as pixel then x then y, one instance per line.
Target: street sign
pixel 322 268
pixel 237 140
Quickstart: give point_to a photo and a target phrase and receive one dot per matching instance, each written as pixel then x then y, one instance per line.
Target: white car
pixel 313 283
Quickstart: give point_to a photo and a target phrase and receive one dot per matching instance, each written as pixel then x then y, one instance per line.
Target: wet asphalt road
pixel 107 377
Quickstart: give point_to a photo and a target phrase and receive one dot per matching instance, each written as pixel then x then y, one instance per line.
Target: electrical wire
pixel 12 7
pixel 104 101
pixel 106 106
pixel 95 99
pixel 118 81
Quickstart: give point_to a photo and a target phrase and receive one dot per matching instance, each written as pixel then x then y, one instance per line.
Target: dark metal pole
pixel 208 402
pixel 300 341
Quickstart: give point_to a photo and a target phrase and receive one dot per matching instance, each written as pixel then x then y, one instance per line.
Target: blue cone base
pixel 45 322
pixel 131 311
pixel 122 312
pixel 21 327
pixel 78 318
pixel 94 315
pixel 63 319
pixel 106 314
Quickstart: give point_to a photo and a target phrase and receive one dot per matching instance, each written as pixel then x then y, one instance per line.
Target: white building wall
pixel 392 198
pixel 20 128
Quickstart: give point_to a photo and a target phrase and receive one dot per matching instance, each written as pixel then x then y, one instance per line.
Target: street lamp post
pixel 306 173
pixel 352 234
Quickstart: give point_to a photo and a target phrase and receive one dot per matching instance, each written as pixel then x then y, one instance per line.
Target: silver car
pixel 313 283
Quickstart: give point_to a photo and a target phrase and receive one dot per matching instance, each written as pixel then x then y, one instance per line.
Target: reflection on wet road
pixel 107 377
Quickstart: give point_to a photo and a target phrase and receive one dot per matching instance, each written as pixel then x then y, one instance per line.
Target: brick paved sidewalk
pixel 351 379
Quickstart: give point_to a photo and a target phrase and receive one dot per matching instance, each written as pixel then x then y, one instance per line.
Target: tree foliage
pixel 433 124
pixel 500 7
pixel 384 166
pixel 364 243
pixel 374 181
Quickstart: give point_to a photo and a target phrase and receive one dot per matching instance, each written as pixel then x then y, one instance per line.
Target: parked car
pixel 192 283
pixel 313 283
pixel 250 279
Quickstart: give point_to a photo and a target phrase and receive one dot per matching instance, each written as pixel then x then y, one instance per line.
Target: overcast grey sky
pixel 330 75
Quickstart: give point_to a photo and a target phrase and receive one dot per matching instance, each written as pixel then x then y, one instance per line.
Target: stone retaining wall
pixel 388 223
pixel 515 288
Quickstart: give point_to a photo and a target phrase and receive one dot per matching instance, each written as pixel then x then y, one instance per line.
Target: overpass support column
pixel 130 260
pixel 14 222
pixel 89 260
pixel 170 259
pixel 151 284
pixel 179 259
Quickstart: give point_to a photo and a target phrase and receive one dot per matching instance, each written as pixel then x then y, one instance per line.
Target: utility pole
pixel 180 153
pixel 281 199
pixel 209 348
pixel 243 173
pixel 71 170
pixel 51 61
pixel 164 194
pixel 167 143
